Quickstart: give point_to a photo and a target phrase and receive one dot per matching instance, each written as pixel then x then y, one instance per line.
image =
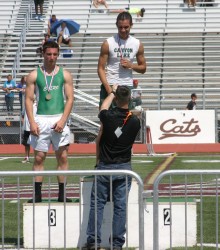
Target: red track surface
pixel 81 149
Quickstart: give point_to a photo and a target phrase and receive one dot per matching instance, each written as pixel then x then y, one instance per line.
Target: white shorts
pixel 48 135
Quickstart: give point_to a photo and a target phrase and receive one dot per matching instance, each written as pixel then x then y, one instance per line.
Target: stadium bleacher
pixel 181 48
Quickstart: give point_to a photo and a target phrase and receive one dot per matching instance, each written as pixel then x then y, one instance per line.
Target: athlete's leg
pixel 39 158
pixel 62 164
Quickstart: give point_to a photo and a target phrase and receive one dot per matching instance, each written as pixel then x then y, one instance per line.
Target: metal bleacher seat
pixel 8 15
pixel 76 10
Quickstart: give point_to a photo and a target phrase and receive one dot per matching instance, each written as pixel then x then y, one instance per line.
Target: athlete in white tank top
pixel 120 55
pixel 118 49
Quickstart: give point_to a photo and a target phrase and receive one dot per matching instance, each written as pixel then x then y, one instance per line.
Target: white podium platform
pixel 47 228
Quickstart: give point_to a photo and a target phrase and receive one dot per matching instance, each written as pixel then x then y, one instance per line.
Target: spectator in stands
pixel 117 55
pixel 97 3
pixel 136 95
pixel 191 3
pixel 26 133
pixel 46 39
pixel 192 104
pixel 207 3
pixel 21 88
pixel 119 128
pixel 54 103
pixel 39 3
pixel 40 49
pixel 139 12
pixel 25 136
pixel 51 21
pixel 9 87
pixel 63 35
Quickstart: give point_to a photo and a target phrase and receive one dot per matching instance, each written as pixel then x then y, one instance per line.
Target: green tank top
pixel 134 10
pixel 56 104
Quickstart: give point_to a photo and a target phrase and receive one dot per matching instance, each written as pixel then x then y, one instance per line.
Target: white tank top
pixel 119 48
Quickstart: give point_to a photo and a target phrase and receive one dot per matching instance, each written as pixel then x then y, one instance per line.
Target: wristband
pixel 113 92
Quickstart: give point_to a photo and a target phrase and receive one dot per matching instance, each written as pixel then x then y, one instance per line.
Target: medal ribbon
pixel 119 45
pixel 51 81
pixel 129 114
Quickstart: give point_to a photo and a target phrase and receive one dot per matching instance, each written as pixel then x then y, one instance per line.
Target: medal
pixel 49 86
pixel 48 97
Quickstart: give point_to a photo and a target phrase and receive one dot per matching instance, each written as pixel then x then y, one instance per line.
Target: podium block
pixel 59 226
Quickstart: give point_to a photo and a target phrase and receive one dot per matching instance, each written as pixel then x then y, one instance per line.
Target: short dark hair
pixel 142 12
pixel 50 44
pixel 124 16
pixel 123 95
pixel 193 95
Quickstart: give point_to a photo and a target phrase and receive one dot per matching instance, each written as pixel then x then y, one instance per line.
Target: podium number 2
pixel 51 217
pixel 166 216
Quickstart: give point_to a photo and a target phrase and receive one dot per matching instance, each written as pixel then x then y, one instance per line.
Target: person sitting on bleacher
pixel 63 35
pixel 139 12
pixel 191 3
pixel 96 3
pixel 51 21
pixel 39 50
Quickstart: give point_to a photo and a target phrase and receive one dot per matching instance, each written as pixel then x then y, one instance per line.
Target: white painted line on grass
pixel 141 161
pixel 198 161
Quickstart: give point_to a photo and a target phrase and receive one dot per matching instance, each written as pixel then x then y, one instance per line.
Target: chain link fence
pixel 10 128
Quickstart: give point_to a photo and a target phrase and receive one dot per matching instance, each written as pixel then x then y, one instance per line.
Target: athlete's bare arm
pixel 68 90
pixel 29 100
pixel 140 66
pixel 103 58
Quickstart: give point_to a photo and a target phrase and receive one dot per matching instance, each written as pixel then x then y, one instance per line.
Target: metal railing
pixel 196 185
pixel 21 43
pixel 12 180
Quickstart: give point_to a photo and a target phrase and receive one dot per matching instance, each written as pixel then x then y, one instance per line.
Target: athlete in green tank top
pixel 56 104
pixel 52 85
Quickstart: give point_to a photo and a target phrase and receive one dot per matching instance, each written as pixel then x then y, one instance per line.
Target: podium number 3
pixel 51 217
pixel 166 216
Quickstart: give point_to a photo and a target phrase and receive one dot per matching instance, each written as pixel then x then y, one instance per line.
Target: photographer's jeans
pixel 120 188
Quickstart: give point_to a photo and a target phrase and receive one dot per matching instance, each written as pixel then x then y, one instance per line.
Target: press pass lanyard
pixel 129 114
pixel 118 131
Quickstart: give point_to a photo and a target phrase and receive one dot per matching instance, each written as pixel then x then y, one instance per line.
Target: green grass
pixel 140 166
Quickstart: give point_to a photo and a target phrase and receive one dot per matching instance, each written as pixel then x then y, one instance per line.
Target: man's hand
pixel 125 63
pixel 58 127
pixel 34 129
pixel 114 87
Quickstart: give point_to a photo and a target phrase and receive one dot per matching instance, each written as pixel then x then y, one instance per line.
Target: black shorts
pixel 25 138
pixel 38 2
pixel 64 41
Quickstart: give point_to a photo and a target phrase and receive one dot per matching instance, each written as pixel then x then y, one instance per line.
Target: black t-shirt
pixel 115 149
pixel 191 105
